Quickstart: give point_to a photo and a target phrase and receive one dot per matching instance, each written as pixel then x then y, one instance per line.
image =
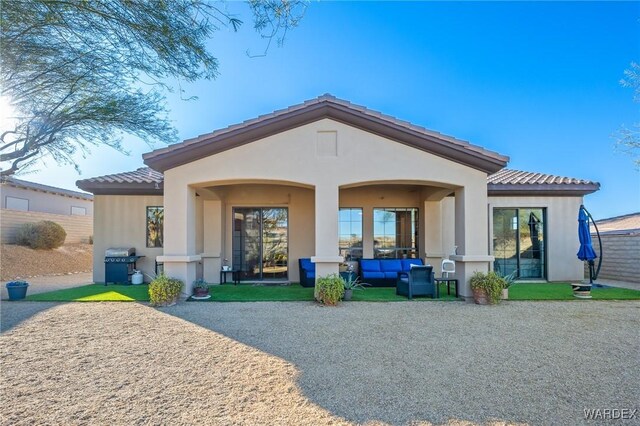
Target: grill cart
pixel 119 264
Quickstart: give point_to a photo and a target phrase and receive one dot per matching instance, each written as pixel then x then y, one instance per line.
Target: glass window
pixel 350 233
pixel 155 226
pixel 519 242
pixel 395 233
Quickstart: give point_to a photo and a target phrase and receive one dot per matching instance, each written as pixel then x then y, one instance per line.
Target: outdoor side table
pixel 235 276
pixel 448 281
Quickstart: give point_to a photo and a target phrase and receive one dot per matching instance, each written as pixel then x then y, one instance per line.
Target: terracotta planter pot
pixel 481 297
pixel 200 292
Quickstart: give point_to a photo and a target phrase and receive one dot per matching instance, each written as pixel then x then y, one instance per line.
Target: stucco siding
pixel 120 221
pixel 620 257
pixel 561 232
pixel 45 202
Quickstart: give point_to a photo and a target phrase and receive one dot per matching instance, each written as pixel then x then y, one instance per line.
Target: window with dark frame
pixel 350 233
pixel 395 233
pixel 155 226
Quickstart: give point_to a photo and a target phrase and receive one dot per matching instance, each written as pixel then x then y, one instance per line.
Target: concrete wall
pixel 561 232
pixel 45 202
pixel 120 221
pixel 620 257
pixel 78 228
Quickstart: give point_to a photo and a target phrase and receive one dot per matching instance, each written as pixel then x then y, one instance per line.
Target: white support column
pixel 327 259
pixel 432 223
pixel 180 234
pixel 212 253
pixel 471 234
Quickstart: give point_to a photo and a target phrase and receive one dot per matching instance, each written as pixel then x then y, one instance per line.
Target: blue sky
pixel 538 82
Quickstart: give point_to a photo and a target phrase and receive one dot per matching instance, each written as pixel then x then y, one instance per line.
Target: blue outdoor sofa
pixel 384 272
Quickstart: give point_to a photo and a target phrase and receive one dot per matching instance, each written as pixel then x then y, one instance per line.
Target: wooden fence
pixel 79 228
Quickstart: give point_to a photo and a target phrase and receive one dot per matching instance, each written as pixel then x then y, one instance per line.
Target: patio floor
pixel 301 363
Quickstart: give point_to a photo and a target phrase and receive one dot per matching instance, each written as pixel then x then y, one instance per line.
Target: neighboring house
pixel 24 201
pixel 330 180
pixel 620 237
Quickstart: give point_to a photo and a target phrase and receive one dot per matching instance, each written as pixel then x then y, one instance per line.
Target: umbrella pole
pixel 591 264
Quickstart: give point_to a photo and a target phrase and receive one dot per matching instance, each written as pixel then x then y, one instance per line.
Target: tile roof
pixel 19 183
pixel 628 222
pixel 142 181
pixel 504 181
pixel 511 182
pixel 325 106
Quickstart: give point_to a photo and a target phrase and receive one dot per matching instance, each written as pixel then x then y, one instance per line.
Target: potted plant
pixel 508 280
pixel 351 282
pixel 330 289
pixel 487 288
pixel 17 289
pixel 200 289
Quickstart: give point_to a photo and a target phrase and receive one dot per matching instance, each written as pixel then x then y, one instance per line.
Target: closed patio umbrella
pixel 586 251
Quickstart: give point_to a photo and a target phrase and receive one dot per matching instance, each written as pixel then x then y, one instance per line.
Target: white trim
pixel 179 259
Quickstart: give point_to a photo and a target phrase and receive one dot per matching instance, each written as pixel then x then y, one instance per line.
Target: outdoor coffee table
pixel 235 276
pixel 448 281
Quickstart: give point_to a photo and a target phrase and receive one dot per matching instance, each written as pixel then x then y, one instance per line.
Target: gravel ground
pixel 23 262
pixel 300 363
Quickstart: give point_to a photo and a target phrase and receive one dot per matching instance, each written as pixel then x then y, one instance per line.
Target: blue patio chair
pixel 418 281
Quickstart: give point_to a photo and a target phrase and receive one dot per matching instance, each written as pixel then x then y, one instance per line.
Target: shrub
pixel 330 289
pixel 200 284
pixel 41 235
pixel 491 283
pixel 164 291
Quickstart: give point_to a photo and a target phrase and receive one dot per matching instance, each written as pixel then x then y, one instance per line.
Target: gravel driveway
pixel 300 363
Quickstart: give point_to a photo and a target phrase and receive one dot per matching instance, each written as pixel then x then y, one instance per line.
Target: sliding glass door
pixel 260 242
pixel 519 242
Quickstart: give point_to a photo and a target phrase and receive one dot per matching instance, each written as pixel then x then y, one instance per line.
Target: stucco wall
pixel 120 221
pixel 329 157
pixel 561 232
pixel 300 205
pixel 45 202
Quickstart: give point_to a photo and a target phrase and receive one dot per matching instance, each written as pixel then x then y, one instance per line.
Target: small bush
pixel 164 291
pixel 330 289
pixel 41 235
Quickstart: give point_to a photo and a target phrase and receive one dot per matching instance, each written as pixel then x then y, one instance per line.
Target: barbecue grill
pixel 119 264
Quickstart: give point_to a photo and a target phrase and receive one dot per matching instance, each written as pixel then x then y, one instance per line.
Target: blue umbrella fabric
pixel 586 251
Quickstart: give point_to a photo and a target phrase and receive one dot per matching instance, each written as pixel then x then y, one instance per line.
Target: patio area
pixel 301 363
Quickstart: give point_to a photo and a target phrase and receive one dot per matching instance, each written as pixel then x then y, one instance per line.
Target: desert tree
pixel 80 73
pixel 628 138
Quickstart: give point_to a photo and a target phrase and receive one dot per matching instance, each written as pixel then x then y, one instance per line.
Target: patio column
pixel 432 221
pixel 471 234
pixel 326 259
pixel 212 228
pixel 179 254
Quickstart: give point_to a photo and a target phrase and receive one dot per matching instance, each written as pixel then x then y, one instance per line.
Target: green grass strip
pixel 563 291
pixel 95 293
pixel 295 292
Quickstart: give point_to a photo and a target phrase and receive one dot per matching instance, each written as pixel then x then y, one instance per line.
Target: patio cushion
pixel 307 264
pixel 370 265
pixel 391 265
pixel 406 263
pixel 372 275
pixel 393 275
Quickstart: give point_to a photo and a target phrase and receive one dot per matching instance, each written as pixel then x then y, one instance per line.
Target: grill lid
pixel 120 252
